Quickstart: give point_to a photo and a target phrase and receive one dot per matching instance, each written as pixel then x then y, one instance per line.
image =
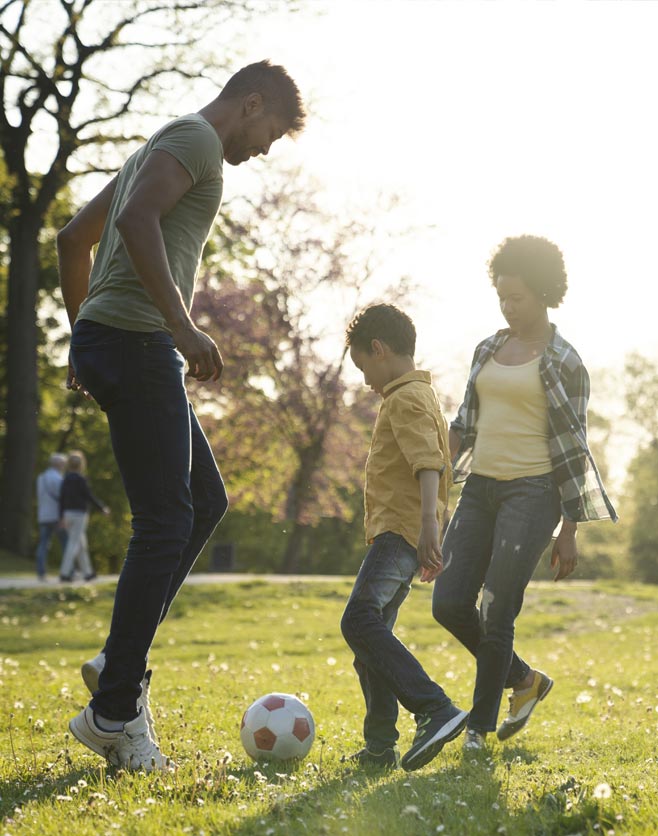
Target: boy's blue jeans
pixel 174 488
pixel 387 671
pixel 496 536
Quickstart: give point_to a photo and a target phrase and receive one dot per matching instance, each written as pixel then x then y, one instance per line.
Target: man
pixel 132 334
pixel 49 485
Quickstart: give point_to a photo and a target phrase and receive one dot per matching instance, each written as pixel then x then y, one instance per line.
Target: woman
pixel 74 501
pixel 520 441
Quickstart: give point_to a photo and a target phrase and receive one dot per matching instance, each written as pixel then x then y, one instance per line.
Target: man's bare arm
pixel 74 245
pixel 160 184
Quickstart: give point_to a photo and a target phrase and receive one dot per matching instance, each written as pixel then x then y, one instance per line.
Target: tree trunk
pixel 299 497
pixel 20 446
pixel 292 556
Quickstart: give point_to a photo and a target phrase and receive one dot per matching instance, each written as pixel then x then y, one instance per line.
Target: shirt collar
pixel 408 377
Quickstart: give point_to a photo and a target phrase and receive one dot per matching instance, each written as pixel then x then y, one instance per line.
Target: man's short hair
pixel 382 322
pixel 57 459
pixel 279 92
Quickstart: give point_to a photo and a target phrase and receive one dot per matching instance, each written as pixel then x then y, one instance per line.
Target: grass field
pixel 585 764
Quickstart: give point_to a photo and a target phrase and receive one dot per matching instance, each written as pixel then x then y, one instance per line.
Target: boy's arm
pixel 429 546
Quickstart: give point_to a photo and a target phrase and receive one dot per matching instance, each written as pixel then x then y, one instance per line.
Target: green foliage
pixel 641 375
pixel 584 765
pixel 643 490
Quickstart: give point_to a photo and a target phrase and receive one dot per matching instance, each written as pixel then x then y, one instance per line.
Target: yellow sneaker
pixel 522 704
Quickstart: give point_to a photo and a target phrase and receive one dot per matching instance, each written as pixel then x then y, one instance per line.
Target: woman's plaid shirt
pixel 566 384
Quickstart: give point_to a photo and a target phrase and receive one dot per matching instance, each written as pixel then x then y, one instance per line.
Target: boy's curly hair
pixel 538 262
pixel 382 322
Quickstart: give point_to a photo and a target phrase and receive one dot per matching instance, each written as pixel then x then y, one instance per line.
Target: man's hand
pixel 73 383
pixel 429 550
pixel 565 552
pixel 202 355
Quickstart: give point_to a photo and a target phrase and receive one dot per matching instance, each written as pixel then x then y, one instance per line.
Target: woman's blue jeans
pixel 174 488
pixel 387 671
pixel 496 536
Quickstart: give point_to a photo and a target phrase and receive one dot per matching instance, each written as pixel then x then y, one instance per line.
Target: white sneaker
pixel 474 741
pixel 131 747
pixel 91 670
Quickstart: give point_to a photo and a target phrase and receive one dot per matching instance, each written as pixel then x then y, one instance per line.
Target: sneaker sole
pixel 80 732
pixel 432 748
pixel 510 729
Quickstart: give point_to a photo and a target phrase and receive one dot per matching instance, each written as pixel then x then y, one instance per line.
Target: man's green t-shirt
pixel 116 295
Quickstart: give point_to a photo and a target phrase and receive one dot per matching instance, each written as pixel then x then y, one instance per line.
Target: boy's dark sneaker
pixel 386 759
pixel 432 733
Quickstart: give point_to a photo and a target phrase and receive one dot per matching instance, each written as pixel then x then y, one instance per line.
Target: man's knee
pixel 212 505
pixel 157 533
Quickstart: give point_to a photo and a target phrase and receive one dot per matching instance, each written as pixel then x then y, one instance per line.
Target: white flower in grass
pixel 331 661
pixel 583 697
pixel 602 790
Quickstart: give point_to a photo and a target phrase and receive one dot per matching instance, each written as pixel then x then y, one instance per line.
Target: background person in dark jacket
pixel 75 500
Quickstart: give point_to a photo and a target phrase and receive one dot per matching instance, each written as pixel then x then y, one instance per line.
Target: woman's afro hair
pixel 537 262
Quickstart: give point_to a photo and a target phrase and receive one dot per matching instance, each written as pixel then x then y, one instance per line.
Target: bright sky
pixel 490 119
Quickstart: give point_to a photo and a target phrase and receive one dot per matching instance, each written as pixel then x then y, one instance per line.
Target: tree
pixel 301 430
pixel 73 73
pixel 641 375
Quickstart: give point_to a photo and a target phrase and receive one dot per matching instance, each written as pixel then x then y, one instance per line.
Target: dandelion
pixel 331 661
pixel 602 790
pixel 583 697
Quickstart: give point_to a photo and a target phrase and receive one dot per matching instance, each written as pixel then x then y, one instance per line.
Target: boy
pixel 406 491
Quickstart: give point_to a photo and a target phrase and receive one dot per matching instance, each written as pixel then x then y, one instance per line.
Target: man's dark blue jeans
pixel 387 671
pixel 494 541
pixel 174 488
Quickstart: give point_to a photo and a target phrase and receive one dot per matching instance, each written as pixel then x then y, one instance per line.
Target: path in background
pixel 195 578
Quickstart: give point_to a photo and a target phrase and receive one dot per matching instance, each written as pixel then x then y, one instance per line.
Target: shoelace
pixel 145 749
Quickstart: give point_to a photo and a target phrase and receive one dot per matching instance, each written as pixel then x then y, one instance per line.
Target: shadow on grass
pixel 40 785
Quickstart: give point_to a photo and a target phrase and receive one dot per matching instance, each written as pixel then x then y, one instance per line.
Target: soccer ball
pixel 277 727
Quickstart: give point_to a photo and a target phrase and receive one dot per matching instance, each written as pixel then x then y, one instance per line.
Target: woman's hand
pixel 565 552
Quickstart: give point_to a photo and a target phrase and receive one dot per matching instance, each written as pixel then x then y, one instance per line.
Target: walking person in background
pixel 520 440
pixel 75 499
pixel 49 484
pixel 132 336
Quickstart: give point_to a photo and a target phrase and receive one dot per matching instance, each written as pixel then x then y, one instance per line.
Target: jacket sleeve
pixel 416 432
pixel 90 496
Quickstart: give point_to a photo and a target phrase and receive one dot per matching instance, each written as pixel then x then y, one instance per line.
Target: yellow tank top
pixel 512 424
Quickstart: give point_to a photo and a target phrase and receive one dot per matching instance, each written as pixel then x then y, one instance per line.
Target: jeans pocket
pixel 545 481
pixel 98 367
